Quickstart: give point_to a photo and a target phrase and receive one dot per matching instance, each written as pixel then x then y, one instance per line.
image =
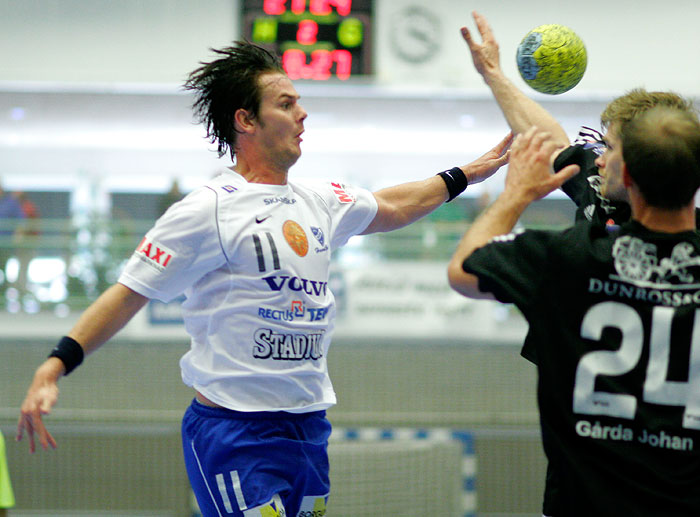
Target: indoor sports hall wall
pixel 91 115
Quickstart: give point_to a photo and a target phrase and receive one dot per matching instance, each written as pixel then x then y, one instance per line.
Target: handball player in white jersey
pixel 251 251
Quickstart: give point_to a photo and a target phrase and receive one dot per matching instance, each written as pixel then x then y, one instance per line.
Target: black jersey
pixel 612 319
pixel 584 191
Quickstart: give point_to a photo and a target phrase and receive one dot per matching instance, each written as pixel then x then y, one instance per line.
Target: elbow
pixel 462 282
pixel 457 278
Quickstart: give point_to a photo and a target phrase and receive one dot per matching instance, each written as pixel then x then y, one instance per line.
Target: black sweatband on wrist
pixel 70 352
pixel 455 180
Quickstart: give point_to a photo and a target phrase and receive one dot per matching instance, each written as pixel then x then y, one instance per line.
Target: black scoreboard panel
pixel 316 39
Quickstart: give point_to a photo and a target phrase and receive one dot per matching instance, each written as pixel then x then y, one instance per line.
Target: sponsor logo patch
pixel 287 347
pixel 342 194
pixel 294 283
pixel 295 236
pixel 280 199
pixel 154 255
pixel 296 312
pixel 318 233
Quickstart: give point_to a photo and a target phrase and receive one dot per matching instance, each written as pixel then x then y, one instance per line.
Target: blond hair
pixel 624 109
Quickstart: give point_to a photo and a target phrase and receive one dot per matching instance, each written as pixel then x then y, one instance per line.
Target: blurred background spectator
pixel 10 215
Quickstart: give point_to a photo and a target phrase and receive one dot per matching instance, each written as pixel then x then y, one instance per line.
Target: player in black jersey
pixel 597 190
pixel 614 317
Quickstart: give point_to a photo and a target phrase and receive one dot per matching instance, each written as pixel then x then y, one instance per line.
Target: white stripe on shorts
pixel 221 483
pixel 236 481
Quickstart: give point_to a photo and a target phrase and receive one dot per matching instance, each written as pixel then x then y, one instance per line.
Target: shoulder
pixel 194 213
pixel 584 242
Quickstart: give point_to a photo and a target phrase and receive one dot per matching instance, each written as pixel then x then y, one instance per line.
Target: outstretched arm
pixel 403 204
pixel 529 178
pixel 520 111
pixel 104 318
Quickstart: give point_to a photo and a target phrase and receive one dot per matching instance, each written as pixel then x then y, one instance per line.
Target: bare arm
pixel 520 111
pixel 403 204
pixel 102 320
pixel 529 178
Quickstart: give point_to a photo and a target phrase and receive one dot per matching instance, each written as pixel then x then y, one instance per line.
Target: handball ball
pixel 551 59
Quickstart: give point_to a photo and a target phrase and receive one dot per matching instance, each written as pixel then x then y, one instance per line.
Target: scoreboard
pixel 317 40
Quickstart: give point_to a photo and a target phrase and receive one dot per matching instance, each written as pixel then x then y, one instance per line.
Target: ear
pixel 244 122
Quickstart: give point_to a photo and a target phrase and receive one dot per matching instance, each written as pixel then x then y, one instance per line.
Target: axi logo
pixel 155 256
pixel 341 193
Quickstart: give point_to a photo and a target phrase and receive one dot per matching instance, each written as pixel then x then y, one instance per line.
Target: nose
pixel 302 113
pixel 600 161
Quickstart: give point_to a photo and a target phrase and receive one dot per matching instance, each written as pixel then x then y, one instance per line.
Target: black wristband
pixel 455 180
pixel 70 352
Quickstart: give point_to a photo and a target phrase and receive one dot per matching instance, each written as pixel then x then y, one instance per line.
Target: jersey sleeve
pixel 578 188
pixel 512 266
pixel 351 209
pixel 182 247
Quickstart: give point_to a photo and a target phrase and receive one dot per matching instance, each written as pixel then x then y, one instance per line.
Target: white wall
pixel 141 41
pixel 630 42
pixel 96 83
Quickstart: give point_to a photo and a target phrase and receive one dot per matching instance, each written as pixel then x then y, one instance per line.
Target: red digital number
pixel 323 7
pixel 307 32
pixel 321 62
pixel 343 63
pixel 319 69
pixel 298 6
pixel 274 7
pixel 294 63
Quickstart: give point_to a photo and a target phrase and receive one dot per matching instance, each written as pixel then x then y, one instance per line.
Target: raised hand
pixel 485 55
pixel 487 164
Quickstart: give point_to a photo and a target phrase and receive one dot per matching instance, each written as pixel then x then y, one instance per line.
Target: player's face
pixel 610 167
pixel 280 120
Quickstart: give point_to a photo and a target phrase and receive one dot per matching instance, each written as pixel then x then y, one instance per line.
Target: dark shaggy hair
pixel 227 84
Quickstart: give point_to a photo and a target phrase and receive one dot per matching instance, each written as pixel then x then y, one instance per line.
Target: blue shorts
pixel 257 464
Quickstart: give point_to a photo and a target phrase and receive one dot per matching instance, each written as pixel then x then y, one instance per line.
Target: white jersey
pixel 253 262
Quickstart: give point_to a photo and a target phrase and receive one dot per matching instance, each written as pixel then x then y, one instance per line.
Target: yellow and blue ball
pixel 551 59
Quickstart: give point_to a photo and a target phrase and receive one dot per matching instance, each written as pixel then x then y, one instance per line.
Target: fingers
pixel 31 421
pixel 34 425
pixel 25 424
pixel 482 25
pixel 504 159
pixel 505 144
pixel 535 140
